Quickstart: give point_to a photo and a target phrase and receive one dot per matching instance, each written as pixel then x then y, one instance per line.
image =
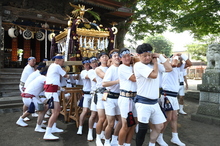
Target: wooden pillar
pixel 27 49
pixel 37 49
pixel 1 40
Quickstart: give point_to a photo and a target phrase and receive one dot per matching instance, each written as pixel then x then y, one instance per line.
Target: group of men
pixel 39 92
pixel 122 92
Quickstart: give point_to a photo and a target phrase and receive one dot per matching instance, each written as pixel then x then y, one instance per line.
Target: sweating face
pixel 145 57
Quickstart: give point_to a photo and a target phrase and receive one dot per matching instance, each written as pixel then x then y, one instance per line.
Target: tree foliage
pixel 197 51
pixel 200 17
pixel 160 44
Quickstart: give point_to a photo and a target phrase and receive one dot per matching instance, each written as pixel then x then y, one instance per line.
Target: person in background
pixel 112 111
pixel 182 78
pixel 94 115
pixel 146 101
pixel 51 92
pixel 170 85
pixel 128 89
pixel 32 76
pixel 100 73
pixel 86 92
pixel 31 94
pixel 28 69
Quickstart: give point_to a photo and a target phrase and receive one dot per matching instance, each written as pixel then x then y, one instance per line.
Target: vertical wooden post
pixel 1 40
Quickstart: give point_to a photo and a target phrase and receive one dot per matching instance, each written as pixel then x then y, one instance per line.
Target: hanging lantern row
pixel 27 34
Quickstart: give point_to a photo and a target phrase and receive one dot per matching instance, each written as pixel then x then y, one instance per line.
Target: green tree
pixel 160 44
pixel 198 51
pixel 200 17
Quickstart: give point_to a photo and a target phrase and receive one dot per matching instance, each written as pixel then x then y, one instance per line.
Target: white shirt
pixel 147 87
pixel 36 86
pixel 98 79
pixel 86 82
pixel 31 77
pixel 53 74
pixel 112 75
pixel 26 72
pixel 124 73
pixel 92 76
pixel 182 72
pixel 170 80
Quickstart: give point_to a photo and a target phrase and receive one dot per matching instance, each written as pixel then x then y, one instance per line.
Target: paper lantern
pixel 13 32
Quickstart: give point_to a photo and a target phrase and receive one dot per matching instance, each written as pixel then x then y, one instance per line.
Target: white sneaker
pixel 102 135
pixel 26 119
pixel 44 126
pixel 114 142
pixel 89 136
pixel 177 142
pixel 182 112
pixel 56 130
pixel 98 142
pixel 21 123
pixel 49 136
pixel 44 122
pixel 46 116
pixel 34 115
pixel 107 144
pixel 79 132
pixel 39 129
pixel 160 140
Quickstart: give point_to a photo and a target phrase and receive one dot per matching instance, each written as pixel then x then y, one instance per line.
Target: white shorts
pixel 93 105
pixel 111 107
pixel 181 90
pixel 54 94
pixel 87 100
pixel 126 105
pixel 100 104
pixel 148 112
pixel 173 100
pixel 27 102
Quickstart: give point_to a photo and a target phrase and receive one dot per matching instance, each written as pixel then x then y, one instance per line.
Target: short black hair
pixel 145 47
pixel 41 65
pixel 44 71
pixel 84 59
pixel 123 49
pixel 100 54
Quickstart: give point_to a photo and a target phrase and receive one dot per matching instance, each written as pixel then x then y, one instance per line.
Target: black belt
pixel 181 83
pixel 144 100
pixel 169 93
pixel 128 94
pixel 113 95
pixel 86 92
pixel 100 90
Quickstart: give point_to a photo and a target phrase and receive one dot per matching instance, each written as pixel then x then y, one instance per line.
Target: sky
pixel 179 40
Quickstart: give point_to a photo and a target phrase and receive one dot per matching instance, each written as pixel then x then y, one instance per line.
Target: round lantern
pixel 27 34
pixel 13 32
pixel 50 36
pixel 40 36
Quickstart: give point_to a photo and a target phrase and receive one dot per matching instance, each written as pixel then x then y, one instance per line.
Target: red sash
pixel 50 88
pixel 27 95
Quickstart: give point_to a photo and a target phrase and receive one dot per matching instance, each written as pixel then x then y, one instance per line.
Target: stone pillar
pixel 1 40
pixel 209 102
